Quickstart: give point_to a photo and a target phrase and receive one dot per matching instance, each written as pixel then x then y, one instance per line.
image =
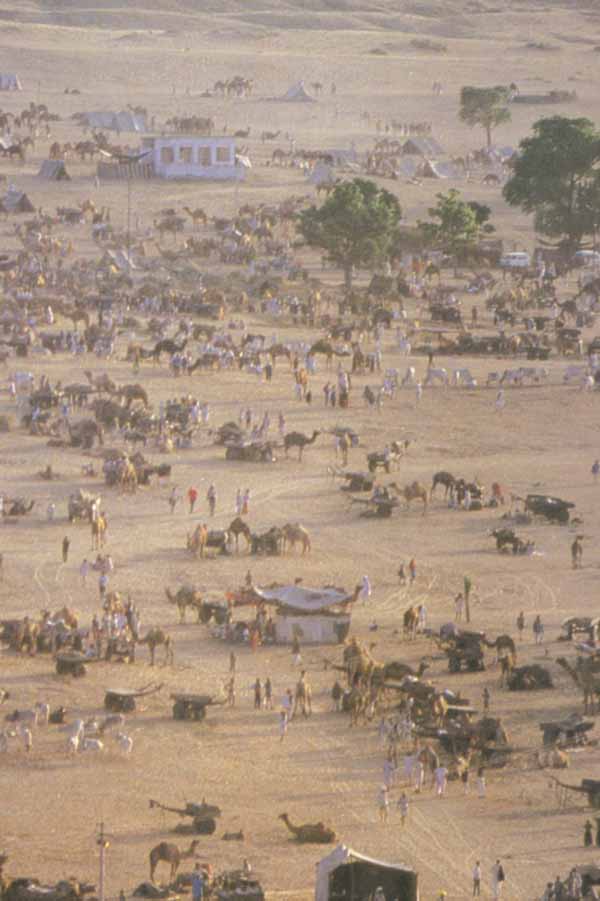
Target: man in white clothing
pixel 497 880
pixel 366 588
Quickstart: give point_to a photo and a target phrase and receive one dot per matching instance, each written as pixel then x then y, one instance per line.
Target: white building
pixel 181 156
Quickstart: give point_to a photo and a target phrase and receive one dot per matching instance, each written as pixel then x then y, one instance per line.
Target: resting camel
pixel 238 527
pixel 299 440
pixel 172 855
pixel 154 638
pixel 413 492
pixel 294 532
pixel 185 597
pixel 310 833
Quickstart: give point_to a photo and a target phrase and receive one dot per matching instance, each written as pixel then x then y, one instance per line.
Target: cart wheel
pixel 178 710
pixel 199 713
pixel 454 665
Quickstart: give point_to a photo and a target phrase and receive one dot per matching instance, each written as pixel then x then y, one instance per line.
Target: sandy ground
pixel 545 440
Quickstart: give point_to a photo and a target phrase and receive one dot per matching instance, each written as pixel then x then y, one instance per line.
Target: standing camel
pixel 299 440
pixel 170 854
pixel 238 527
pixel 154 638
pixel 413 492
pixel 98 532
pixel 293 532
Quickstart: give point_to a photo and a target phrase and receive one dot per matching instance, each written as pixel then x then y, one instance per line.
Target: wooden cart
pixel 122 700
pixel 192 707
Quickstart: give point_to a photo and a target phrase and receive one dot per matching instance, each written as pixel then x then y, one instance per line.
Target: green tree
pixel 356 225
pixel 455 228
pixel 554 177
pixel 487 107
pixel 482 216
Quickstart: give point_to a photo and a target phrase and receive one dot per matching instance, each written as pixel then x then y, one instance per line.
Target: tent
pixel 111 121
pixel 298 94
pixel 304 600
pixel 15 201
pixel 427 147
pixel 322 174
pixel 9 82
pixel 54 170
pixel 324 628
pixel 352 876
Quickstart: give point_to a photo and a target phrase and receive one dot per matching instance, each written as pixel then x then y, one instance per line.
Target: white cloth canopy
pixel 309 600
pixel 344 855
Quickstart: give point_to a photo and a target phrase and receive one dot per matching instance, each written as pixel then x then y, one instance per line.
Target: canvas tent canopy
pixel 9 82
pixel 427 147
pixel 304 600
pixel 298 94
pixel 111 121
pixel 346 875
pixel 317 628
pixel 15 201
pixel 54 170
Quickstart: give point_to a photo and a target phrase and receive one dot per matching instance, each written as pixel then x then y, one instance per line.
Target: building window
pixel 167 155
pixel 223 154
pixel 204 157
pixel 185 155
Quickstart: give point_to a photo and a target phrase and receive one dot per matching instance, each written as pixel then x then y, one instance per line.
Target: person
pixel 102 585
pixel 477 879
pixel 84 570
pixel 65 549
pixel 598 832
pixel 521 624
pixel 231 691
pixel 596 469
pixel 383 803
pixel 459 603
pixel 366 588
pixel 173 498
pixel 296 651
pixel 412 570
pixel 232 662
pixel 418 775
pixel 337 693
pixel 246 502
pixel 422 622
pixel 486 699
pixel 441 780
pixel 50 510
pixel 401 574
pixel 418 392
pixel 257 695
pixel 576 552
pixel 379 894
pixel 464 778
pixel 192 498
pixel 268 694
pixel 403 805
pixel 481 782
pixel 238 502
pixel 283 724
pixel 588 838
pixel 498 879
pixel 197 883
pixel 467 586
pixel 538 630
pixel 211 497
pixel 500 401
pixel 388 771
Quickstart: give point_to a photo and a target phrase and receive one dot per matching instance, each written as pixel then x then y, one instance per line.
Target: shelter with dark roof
pixel 54 170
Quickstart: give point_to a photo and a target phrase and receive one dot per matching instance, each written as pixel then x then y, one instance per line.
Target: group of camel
pixel 200 539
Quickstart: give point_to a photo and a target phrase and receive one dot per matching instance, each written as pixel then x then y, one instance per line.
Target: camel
pixel 443 478
pixel 128 479
pixel 414 491
pixel 410 620
pixel 310 833
pixel 238 527
pixel 100 383
pixel 587 677
pixel 167 346
pixel 197 216
pixel 154 638
pixel 299 440
pixel 133 392
pixel 98 532
pixel 325 347
pixel 397 671
pixel 293 532
pixel 505 647
pixel 279 350
pixel 185 597
pixel 172 855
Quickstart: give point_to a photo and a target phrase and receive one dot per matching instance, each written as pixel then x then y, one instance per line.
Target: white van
pixel 515 260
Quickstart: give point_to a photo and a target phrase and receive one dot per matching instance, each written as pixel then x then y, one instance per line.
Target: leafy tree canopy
pixel 486 107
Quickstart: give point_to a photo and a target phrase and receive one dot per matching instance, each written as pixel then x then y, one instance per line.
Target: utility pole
pixel 103 844
pixel 128 227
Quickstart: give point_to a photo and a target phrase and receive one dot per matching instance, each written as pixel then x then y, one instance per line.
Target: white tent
pixel 357 877
pixel 121 121
pixel 298 94
pixel 313 629
pixel 9 82
pixel 322 174
pixel 304 600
